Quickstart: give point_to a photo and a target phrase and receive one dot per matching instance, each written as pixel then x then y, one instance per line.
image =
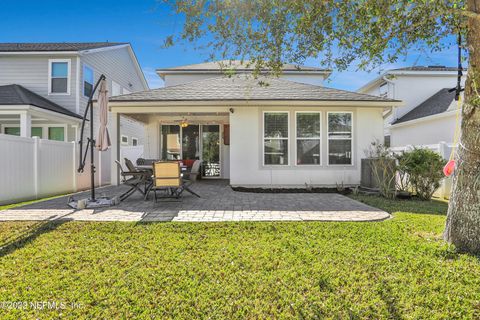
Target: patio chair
pixel 133 179
pixel 130 166
pixel 167 176
pixel 191 177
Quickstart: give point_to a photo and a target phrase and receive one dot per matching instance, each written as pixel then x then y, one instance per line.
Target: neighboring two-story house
pixel 44 87
pixel 430 110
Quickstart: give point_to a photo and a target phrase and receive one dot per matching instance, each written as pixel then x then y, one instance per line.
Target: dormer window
pixel 59 76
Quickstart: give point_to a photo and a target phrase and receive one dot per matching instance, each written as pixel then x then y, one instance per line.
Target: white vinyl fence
pixel 442 148
pixel 32 168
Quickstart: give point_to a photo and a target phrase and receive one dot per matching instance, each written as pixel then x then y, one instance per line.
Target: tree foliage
pixel 269 33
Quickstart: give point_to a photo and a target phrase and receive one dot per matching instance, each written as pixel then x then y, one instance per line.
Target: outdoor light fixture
pixel 231 110
pixel 184 123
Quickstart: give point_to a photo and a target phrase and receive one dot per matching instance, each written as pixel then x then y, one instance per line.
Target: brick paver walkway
pixel 218 203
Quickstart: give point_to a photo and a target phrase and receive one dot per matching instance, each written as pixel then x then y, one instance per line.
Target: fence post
pixel 99 168
pixel 442 149
pixel 36 147
pixel 74 162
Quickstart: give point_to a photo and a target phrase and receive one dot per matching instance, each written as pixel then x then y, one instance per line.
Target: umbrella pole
pixel 92 202
pixel 92 158
pixel 91 141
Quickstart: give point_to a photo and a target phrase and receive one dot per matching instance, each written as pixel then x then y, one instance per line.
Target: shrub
pixel 424 170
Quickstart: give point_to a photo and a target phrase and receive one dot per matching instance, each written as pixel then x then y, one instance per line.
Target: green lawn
pixel 394 269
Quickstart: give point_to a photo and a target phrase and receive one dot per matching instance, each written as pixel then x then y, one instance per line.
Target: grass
pixel 24 203
pixel 411 205
pixel 395 269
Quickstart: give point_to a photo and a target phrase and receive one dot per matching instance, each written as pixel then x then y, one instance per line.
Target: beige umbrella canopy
pixel 103 139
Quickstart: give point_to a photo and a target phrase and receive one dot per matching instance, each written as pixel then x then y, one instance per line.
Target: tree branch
pixel 467 13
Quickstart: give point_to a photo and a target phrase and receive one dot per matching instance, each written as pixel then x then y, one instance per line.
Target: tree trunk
pixel 463 219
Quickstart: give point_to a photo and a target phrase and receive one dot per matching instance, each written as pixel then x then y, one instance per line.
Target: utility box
pixel 367 178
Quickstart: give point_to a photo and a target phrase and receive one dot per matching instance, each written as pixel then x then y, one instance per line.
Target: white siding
pixel 32 73
pixel 117 66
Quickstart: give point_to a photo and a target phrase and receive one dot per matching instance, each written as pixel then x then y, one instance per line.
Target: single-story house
pixel 261 131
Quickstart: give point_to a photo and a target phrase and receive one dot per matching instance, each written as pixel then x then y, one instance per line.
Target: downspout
pixel 390 82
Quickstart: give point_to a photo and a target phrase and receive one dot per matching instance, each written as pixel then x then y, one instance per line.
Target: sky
pixel 145 24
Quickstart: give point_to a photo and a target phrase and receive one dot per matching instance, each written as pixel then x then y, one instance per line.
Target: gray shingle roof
pixel 15 94
pixel 244 87
pixel 235 64
pixel 436 104
pixel 427 68
pixel 55 46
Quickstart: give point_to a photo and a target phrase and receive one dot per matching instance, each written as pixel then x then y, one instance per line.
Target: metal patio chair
pixel 190 178
pixel 133 179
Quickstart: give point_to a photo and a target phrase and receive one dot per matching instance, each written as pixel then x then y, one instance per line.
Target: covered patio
pixel 218 202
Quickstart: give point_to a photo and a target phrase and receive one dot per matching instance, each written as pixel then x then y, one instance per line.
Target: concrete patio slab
pixel 218 203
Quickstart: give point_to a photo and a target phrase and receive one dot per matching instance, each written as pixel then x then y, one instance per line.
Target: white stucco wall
pixel 176 79
pixel 432 130
pixel 246 166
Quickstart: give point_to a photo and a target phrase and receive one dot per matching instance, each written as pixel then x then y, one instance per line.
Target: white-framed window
pixel 59 76
pixel 340 136
pixel 308 128
pixel 124 140
pixel 50 132
pixel 275 137
pixel 56 133
pixel 134 141
pixel 88 80
pixel 116 89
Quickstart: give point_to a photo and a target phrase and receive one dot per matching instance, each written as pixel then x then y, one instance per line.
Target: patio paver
pixel 218 203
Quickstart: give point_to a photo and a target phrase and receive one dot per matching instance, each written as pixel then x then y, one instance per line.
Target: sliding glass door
pixel 191 143
pixel 211 150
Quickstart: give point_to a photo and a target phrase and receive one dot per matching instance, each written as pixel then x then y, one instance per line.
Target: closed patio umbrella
pixel 103 139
